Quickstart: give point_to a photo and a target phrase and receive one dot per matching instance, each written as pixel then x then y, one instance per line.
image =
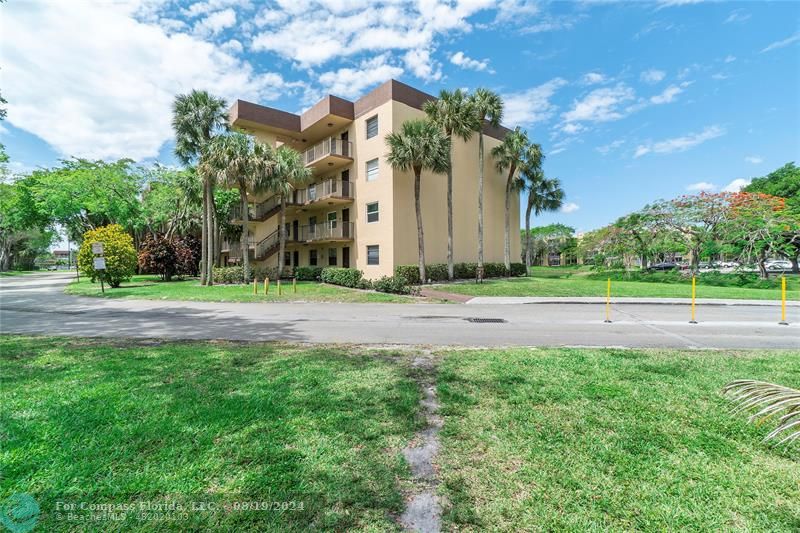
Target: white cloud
pixel 780 44
pixel 232 47
pixel 532 106
pixel 730 59
pixel 668 95
pixel 652 75
pixel 736 185
pixel 600 105
pixel 680 144
pixel 701 186
pixel 719 76
pixel 419 62
pixel 569 207
pixel 116 77
pixel 216 22
pixel 351 82
pixel 754 159
pixel 463 61
pixel 737 15
pixel 556 151
pixel 593 78
pixel 606 148
pixel 671 3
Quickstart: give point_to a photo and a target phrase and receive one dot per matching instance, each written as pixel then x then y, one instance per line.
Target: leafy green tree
pixel 196 117
pixel 544 194
pixel 289 172
pixel 638 230
pixel 454 114
pixel 419 145
pixel 171 202
pixel 488 109
pixel 543 240
pixel 118 250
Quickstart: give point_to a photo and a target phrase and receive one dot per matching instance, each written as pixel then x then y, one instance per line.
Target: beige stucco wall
pixel 465 206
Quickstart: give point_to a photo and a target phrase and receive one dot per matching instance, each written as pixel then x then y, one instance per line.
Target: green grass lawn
pixel 555 283
pixel 89 421
pixel 604 440
pixel 152 288
pixel 9 273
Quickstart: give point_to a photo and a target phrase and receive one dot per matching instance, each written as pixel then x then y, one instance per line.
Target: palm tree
pixel 419 145
pixel 453 113
pixel 195 118
pixel 544 194
pixel 511 154
pixel 770 400
pixel 290 171
pixel 488 109
pixel 241 162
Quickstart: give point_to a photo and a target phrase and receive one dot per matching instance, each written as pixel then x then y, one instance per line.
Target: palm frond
pixel 770 401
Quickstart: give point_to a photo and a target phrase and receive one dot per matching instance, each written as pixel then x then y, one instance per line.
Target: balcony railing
pixel 326 231
pixel 234 248
pixel 258 211
pixel 330 188
pixel 329 146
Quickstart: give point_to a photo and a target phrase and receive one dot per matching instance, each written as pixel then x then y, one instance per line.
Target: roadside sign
pixel 99 263
pixel 97 248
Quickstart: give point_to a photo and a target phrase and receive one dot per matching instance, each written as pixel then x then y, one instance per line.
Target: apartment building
pixel 358 211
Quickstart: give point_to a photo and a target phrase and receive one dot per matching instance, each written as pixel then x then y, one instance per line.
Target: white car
pixel 778 265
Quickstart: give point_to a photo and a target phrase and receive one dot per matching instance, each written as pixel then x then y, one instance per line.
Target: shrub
pixel 494 270
pixel 366 285
pixel 410 272
pixel 308 273
pixel 518 269
pixel 436 271
pixel 346 277
pixel 465 270
pixel 118 251
pixel 157 256
pixel 187 255
pixel 228 275
pixel 394 285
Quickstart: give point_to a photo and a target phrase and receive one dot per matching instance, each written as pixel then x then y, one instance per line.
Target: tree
pixel 290 171
pixel 419 145
pixel 543 240
pixel 171 202
pixel 639 231
pixel 242 163
pixel 769 401
pixel 514 152
pixel 453 113
pixel 24 230
pixel 488 109
pixel 195 118
pixel 169 256
pixel 118 250
pixel 544 194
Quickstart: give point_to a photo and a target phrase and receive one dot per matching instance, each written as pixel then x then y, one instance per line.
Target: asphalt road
pixel 36 304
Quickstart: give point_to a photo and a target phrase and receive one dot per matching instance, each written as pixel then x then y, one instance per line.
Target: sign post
pixel 99 263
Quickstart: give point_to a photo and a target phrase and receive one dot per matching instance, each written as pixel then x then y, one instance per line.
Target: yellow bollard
pixel 279 286
pixel 608 303
pixel 255 286
pixel 294 285
pixel 266 286
pixel 694 293
pixel 783 321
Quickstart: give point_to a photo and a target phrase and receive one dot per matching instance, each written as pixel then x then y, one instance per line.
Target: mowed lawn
pixel 556 282
pixel 605 440
pixel 152 288
pixel 317 428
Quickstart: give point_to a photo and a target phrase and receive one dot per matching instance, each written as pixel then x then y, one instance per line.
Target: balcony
pixel 329 154
pixel 326 232
pixel 330 191
pixel 258 212
pixel 234 249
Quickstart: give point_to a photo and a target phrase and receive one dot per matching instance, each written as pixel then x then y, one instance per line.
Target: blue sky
pixel 631 101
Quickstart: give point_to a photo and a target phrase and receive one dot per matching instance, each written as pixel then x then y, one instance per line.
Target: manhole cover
pixel 478 320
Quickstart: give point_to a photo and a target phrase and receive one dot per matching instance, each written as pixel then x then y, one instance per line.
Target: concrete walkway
pixel 517 300
pixel 36 304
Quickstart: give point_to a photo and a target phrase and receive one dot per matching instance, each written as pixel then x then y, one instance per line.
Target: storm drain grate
pixel 477 320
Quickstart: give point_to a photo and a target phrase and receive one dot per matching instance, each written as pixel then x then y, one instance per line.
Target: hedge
pixel 393 285
pixel 713 278
pixel 438 271
pixel 228 275
pixel 346 277
pixel 308 273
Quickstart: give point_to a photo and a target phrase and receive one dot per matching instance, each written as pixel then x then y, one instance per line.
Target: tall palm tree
pixel 453 113
pixel 239 161
pixel 290 171
pixel 488 109
pixel 419 145
pixel 511 154
pixel 196 116
pixel 544 194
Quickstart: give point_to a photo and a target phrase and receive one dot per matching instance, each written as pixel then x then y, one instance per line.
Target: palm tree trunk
pixel 480 204
pixel 507 240
pixel 204 238
pixel 450 273
pixel 282 236
pixel 243 239
pixel 528 237
pixel 209 233
pixel 215 258
pixel 420 237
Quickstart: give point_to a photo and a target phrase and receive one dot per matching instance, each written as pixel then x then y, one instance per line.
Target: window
pixel 373 254
pixel 287 259
pixel 372 127
pixel 312 192
pixel 372 212
pixel 372 170
pixel 332 220
pixel 312 257
pixel 332 257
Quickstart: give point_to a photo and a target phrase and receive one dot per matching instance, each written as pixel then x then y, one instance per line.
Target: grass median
pixel 152 288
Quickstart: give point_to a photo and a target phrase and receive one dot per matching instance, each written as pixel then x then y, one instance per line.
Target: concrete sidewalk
pixel 516 300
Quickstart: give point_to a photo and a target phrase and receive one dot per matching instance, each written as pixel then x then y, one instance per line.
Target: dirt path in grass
pixel 423 510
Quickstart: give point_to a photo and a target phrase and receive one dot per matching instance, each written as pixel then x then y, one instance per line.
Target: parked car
pixel 52 268
pixel 667 265
pixel 778 266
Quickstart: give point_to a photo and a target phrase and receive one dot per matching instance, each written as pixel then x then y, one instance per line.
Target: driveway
pixel 36 304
